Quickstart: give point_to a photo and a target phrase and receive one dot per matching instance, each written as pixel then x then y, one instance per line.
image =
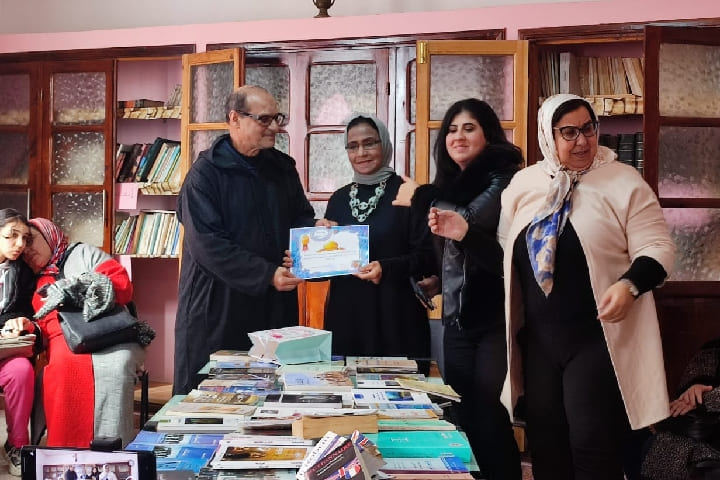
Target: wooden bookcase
pixel 689 301
pixel 154 276
pixel 56 122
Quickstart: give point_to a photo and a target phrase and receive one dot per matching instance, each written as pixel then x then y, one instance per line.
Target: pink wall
pixel 512 18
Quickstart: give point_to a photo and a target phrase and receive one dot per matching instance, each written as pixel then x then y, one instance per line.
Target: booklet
pixel 329 251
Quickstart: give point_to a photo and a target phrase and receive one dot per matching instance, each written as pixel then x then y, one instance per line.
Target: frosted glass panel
pixel 338 90
pixel 16 200
pixel 15 157
pixel 79 98
pixel 689 80
pixel 455 77
pixel 329 167
pixel 320 207
pixel 78 158
pixel 413 89
pixel 209 89
pixel 282 142
pixel 275 80
pixel 202 140
pixel 80 216
pixel 433 164
pixel 411 153
pixel 688 163
pixel 696 232
pixel 15 99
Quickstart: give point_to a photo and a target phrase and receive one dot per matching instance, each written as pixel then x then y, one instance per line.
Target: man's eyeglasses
pixel 571 132
pixel 366 145
pixel 265 120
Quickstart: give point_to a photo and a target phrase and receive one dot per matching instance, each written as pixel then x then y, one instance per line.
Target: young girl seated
pixel 16 373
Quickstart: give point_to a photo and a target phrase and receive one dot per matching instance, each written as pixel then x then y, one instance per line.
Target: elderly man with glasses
pixel 237 204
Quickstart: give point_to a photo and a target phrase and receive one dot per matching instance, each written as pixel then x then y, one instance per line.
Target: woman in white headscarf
pixel 375 312
pixel 584 243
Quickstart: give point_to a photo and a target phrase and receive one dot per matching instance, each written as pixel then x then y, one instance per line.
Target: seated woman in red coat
pixel 74 419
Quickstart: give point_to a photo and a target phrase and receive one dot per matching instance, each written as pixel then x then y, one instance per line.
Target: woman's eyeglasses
pixel 265 120
pixel 572 132
pixel 366 145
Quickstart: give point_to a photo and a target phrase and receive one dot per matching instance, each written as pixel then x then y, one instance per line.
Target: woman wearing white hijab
pixel 375 312
pixel 584 243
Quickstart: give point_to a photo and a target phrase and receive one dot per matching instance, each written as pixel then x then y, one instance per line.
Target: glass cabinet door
pixel 682 130
pixel 450 70
pixel 208 79
pixel 78 144
pixel 18 135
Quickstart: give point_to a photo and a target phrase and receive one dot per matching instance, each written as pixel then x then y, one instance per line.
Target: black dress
pixel 384 319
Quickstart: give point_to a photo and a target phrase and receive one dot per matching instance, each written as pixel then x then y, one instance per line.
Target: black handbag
pixel 115 326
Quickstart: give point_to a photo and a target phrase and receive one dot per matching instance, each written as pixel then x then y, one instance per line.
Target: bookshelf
pixel 146 239
pixel 589 62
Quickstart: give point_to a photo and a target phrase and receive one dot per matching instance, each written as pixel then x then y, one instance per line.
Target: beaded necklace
pixel 362 210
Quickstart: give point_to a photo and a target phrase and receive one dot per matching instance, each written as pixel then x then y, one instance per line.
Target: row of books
pixel 156 162
pixel 628 146
pixel 174 100
pixel 563 72
pixel 148 234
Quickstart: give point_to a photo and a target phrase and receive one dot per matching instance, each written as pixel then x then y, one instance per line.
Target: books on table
pixel 192 440
pixel 208 410
pixel 414 424
pixel 335 457
pixel 199 424
pixel 439 389
pixel 384 380
pixel 250 383
pixel 254 474
pixel 220 398
pixel 303 400
pixel 238 357
pixel 441 464
pixel 370 396
pixel 323 381
pixel 315 426
pixel 363 364
pixel 236 455
pixel 420 444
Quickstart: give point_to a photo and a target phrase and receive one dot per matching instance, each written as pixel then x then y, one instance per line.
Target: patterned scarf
pixel 56 240
pixel 549 222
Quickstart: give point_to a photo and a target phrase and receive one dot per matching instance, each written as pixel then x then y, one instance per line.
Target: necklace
pixel 362 210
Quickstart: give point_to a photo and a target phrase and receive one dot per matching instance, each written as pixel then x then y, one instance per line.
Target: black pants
pixel 475 366
pixel 576 420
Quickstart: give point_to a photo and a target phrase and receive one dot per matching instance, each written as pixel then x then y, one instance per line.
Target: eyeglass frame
pixel 366 145
pixel 281 119
pixel 593 131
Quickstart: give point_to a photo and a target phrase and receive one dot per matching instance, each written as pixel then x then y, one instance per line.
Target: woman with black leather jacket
pixel 475 163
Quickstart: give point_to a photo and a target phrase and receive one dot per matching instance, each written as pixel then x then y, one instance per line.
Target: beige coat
pixel 617 219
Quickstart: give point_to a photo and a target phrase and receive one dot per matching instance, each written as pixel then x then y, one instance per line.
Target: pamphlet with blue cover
pixel 329 251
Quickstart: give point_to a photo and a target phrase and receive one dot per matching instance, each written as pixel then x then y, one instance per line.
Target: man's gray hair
pixel 237 100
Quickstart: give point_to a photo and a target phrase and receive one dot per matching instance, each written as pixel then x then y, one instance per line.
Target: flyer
pixel 329 251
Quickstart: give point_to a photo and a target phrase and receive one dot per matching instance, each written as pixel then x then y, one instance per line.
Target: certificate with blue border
pixel 329 251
